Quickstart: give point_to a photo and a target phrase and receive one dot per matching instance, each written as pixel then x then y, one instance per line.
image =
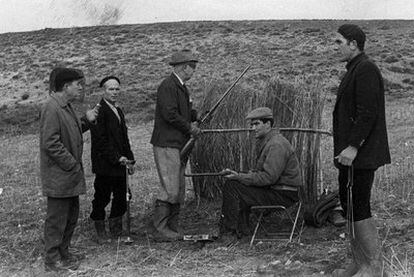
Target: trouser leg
pixel 102 197
pixel 364 247
pixel 72 219
pixel 230 208
pixel 119 203
pixel 238 198
pixel 171 174
pixel 55 226
pixel 171 193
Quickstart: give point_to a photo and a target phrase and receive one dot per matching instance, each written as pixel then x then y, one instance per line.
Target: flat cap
pixel 104 80
pixel 260 113
pixel 66 75
pixel 182 56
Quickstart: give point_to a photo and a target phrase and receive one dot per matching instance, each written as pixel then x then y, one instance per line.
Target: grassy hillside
pixel 138 54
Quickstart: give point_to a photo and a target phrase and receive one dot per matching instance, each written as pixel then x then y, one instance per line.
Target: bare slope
pixel 139 55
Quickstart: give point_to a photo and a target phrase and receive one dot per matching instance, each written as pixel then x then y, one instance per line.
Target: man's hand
pixel 195 131
pixel 347 156
pixel 123 160
pixel 92 114
pixel 229 174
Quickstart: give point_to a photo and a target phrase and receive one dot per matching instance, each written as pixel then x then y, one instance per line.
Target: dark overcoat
pixel 359 115
pixel 110 141
pixel 173 115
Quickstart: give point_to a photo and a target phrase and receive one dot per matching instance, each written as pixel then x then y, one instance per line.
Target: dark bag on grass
pixel 317 214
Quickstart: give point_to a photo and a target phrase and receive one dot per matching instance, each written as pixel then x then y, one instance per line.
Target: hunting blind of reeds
pixel 297 104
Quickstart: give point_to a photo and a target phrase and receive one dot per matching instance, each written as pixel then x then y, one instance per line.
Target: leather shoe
pixel 63 265
pixel 336 218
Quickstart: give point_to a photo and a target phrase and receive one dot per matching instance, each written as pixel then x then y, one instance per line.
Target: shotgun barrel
pixel 185 152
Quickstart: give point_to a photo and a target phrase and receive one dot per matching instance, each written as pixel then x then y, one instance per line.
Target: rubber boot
pixel 174 216
pixel 115 226
pixel 161 217
pixel 368 247
pixel 353 267
pixel 101 236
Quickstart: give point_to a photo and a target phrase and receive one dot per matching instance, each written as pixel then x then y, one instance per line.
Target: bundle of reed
pixel 298 104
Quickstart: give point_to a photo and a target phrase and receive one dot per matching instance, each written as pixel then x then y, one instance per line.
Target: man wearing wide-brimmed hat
pixel 275 180
pixel 175 122
pixel 61 167
pixel 360 147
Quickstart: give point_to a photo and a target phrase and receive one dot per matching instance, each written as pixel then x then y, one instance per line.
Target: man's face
pixel 344 49
pixel 74 90
pixel 260 128
pixel 188 70
pixel 112 89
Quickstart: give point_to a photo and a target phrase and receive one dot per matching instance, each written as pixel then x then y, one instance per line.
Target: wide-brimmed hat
pixel 260 113
pixel 183 56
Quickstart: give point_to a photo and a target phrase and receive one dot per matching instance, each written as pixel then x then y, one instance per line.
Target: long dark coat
pixel 359 115
pixel 61 146
pixel 109 142
pixel 173 114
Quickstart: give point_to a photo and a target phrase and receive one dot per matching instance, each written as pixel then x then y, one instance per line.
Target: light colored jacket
pixel 61 146
pixel 276 164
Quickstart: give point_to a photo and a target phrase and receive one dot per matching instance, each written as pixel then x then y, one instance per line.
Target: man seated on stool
pixel 275 180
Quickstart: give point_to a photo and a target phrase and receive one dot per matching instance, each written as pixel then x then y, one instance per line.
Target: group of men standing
pixel 360 147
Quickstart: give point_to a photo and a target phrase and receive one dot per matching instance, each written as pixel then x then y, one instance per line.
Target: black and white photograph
pixel 207 138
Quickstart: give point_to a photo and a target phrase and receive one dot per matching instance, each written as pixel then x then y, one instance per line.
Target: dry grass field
pixel 138 54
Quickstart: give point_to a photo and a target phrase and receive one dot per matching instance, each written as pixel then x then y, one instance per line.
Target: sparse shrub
pixel 390 86
pixel 384 27
pixel 311 30
pixel 400 70
pixel 390 59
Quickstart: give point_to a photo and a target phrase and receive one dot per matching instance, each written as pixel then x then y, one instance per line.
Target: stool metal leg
pixel 257 227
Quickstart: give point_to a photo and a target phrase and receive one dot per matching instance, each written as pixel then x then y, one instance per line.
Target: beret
pixel 104 80
pixel 352 32
pixel 66 75
pixel 182 56
pixel 260 113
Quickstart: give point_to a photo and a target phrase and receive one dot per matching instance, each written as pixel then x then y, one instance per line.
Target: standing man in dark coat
pixel 61 168
pixel 110 152
pixel 173 126
pixel 360 145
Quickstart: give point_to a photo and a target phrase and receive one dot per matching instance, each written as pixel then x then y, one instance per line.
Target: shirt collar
pixel 179 79
pixel 110 105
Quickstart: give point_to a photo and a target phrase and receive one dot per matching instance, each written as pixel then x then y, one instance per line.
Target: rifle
pixel 190 143
pixel 128 164
pixel 207 174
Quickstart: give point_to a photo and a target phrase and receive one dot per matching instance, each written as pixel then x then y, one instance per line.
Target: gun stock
pixel 188 147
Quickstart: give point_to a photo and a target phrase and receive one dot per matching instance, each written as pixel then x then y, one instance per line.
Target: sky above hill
pixel 27 15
